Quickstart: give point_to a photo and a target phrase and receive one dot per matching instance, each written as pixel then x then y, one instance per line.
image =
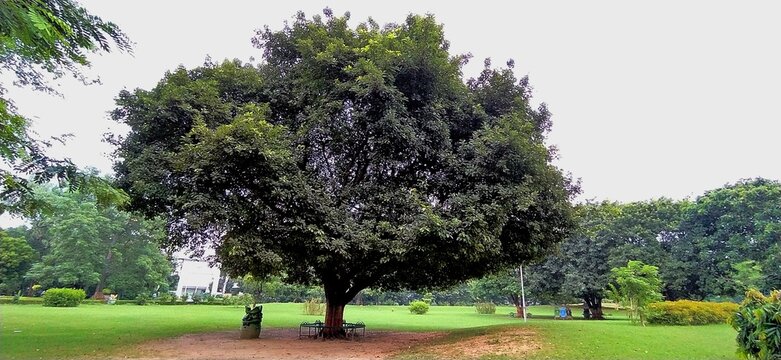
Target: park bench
pixel 315 329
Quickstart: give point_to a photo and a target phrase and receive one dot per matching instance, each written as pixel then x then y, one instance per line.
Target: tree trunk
pixel 334 317
pixel 98 295
pixel 594 304
pixel 516 300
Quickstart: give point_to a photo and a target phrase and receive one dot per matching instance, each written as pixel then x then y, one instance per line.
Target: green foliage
pixel 688 312
pixel 142 299
pixel 376 162
pixel 16 257
pixel 485 308
pixel 39 39
pixel 166 298
pixel 243 299
pixel 61 297
pixel 758 322
pixel 88 246
pixel 418 307
pixel 501 287
pixel 638 286
pixel 314 307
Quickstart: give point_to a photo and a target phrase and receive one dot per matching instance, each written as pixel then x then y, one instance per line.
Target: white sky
pixel 651 99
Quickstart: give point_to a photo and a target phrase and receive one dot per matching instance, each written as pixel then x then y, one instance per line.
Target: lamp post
pixel 523 295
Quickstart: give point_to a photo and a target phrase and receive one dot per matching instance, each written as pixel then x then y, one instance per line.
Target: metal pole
pixel 523 296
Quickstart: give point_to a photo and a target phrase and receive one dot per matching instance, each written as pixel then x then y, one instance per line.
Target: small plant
pixel 106 291
pixel 142 299
pixel 208 298
pixel 314 307
pixel 16 298
pixel 485 308
pixel 166 298
pixel 758 322
pixel 418 307
pixel 58 297
pixel 36 289
pixel 197 298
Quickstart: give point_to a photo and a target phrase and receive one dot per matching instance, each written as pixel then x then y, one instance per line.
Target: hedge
pixel 58 297
pixel 688 312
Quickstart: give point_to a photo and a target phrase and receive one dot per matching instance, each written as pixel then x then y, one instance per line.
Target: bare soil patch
pixel 280 344
pixel 509 342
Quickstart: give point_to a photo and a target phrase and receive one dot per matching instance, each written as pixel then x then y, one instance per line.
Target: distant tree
pixel 638 285
pixel 40 39
pixel 352 158
pixel 608 235
pixel 747 275
pixel 728 226
pixel 90 247
pixel 16 257
pixel 504 284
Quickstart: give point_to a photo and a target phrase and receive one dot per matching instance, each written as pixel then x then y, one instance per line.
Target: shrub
pixel 485 308
pixel 142 299
pixel 166 298
pixel 197 298
pixel 314 307
pixel 63 297
pixel 106 291
pixel 688 312
pixel 243 299
pixel 418 307
pixel 758 322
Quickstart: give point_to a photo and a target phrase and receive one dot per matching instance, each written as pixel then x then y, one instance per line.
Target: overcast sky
pixel 653 99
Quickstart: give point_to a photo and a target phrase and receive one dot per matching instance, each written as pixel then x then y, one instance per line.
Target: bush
pixel 142 299
pixel 758 322
pixel 106 291
pixel 314 307
pixel 63 297
pixel 485 308
pixel 687 312
pixel 197 298
pixel 24 300
pixel 166 298
pixel 243 299
pixel 418 307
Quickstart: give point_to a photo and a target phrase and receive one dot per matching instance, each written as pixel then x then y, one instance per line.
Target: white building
pixel 197 277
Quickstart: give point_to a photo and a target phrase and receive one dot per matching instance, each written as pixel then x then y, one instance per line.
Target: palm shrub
pixel 59 297
pixel 758 322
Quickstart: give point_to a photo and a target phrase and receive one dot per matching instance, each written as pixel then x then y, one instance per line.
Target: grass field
pixel 36 332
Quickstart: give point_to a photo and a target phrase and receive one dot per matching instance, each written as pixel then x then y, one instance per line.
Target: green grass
pixel 36 332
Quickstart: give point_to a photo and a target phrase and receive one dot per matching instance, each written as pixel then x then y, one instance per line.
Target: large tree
pixel 730 225
pixel 40 40
pixel 350 158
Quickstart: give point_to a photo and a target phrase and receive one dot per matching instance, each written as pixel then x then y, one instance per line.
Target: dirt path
pixel 279 344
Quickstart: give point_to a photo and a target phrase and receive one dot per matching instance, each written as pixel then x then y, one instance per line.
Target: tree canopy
pixel 91 247
pixel 40 40
pixel 348 157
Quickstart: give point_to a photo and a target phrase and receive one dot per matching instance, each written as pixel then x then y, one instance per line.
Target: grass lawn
pixel 36 332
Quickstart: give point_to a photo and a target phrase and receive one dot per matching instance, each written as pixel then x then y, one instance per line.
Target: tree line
pixel 76 243
pixel 711 248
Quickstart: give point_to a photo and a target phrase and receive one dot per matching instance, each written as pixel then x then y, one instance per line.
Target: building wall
pixel 197 276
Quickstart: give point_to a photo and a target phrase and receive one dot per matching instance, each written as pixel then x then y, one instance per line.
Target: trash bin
pixel 250 324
